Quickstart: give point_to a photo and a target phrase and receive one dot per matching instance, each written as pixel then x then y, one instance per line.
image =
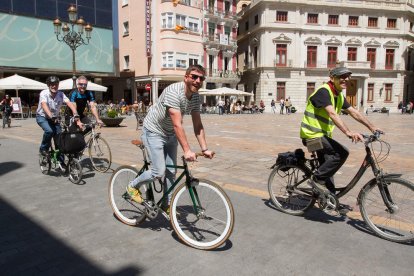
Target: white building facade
pixel 286 48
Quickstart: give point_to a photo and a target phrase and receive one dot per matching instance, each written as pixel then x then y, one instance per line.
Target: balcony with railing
pixel 367 65
pixel 356 64
pixel 286 64
pixel 228 75
pixel 211 39
pixel 212 14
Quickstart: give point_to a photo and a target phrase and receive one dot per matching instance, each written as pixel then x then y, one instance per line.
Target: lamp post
pixel 71 36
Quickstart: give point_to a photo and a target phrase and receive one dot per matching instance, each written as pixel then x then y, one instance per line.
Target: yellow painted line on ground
pixel 244 190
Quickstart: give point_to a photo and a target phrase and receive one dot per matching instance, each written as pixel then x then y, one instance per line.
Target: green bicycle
pixel 73 167
pixel 201 213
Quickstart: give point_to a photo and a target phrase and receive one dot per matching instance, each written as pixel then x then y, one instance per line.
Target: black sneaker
pixel 319 187
pixel 343 209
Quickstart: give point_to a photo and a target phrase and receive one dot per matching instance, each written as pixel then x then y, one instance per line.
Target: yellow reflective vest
pixel 316 122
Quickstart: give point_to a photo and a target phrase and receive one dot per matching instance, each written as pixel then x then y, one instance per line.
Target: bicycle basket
pixel 71 142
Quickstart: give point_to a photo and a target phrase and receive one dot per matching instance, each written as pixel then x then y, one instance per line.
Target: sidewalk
pixel 246 146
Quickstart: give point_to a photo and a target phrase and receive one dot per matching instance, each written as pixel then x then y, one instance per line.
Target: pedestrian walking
pixel 282 105
pixel 273 106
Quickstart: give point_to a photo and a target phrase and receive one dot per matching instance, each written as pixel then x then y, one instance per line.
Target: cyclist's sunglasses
pixel 82 84
pixel 195 77
pixel 345 76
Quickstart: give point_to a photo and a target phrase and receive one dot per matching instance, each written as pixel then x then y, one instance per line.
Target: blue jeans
pixel 162 151
pixel 50 131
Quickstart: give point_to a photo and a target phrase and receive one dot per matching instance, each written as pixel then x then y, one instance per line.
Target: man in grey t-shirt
pixel 163 130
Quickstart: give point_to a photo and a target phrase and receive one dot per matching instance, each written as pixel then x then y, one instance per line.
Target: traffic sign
pixel 148 87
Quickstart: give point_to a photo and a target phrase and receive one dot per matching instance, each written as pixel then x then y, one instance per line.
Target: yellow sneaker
pixel 135 194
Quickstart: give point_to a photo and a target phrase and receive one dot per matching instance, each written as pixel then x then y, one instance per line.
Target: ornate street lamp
pixel 73 35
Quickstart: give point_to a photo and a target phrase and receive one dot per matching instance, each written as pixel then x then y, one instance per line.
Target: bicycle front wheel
pixel 45 163
pixel 396 225
pixel 202 217
pixel 125 209
pixel 100 154
pixel 289 190
pixel 75 171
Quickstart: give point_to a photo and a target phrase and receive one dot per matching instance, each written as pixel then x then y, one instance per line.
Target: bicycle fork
pixel 385 194
pixel 198 209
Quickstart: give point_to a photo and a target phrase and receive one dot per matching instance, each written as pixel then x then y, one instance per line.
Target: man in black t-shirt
pixel 82 97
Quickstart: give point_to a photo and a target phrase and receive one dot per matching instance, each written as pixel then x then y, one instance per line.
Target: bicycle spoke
pixel 397 224
pixel 211 224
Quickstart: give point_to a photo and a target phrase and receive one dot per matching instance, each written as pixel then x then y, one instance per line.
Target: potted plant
pixel 112 118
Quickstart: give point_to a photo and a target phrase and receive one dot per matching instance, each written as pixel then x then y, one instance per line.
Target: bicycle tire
pixel 75 171
pixel 213 226
pixel 125 210
pixel 284 197
pixel 396 227
pixel 45 163
pixel 100 154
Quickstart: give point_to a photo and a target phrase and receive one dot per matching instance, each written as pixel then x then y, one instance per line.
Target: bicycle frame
pixel 379 177
pixel 92 135
pixel 189 180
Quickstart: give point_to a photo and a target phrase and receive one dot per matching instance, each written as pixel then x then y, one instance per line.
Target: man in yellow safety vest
pixel 319 120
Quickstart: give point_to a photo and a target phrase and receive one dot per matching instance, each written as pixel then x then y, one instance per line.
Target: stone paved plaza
pixel 50 226
pixel 246 145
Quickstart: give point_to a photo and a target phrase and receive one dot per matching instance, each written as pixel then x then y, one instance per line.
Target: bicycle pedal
pixel 165 214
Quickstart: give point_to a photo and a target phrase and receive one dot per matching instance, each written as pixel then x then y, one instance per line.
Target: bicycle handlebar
pixel 372 137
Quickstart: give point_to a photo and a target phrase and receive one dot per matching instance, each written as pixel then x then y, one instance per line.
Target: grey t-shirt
pixel 158 119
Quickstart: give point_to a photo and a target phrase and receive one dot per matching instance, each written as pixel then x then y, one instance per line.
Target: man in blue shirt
pixel 82 97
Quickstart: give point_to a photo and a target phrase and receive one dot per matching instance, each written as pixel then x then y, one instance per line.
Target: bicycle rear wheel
pixel 289 190
pixel 75 171
pixel 45 163
pixel 397 226
pixel 125 209
pixel 206 224
pixel 100 154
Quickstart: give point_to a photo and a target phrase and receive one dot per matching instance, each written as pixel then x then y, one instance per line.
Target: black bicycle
pixel 6 114
pixel 386 202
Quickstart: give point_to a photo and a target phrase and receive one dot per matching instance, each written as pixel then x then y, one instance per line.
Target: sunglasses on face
pixel 344 77
pixel 195 77
pixel 82 84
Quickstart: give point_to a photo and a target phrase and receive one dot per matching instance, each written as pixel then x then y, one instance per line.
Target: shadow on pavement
pixel 313 214
pixel 160 222
pixel 28 249
pixel 6 167
pixel 318 215
pixel 362 226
